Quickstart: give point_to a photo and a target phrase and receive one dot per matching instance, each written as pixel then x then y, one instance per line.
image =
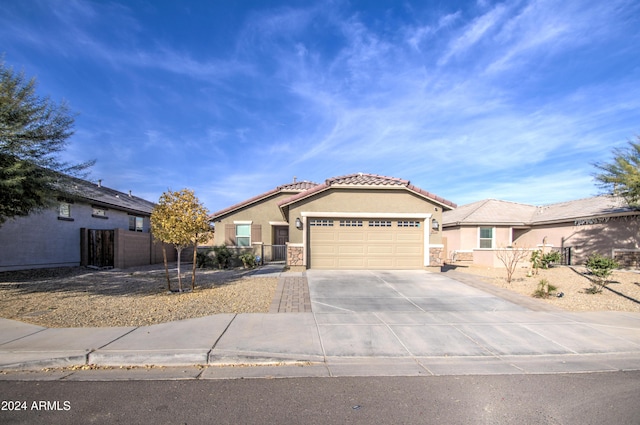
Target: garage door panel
pixel 351 250
pixel 409 237
pixel 385 236
pixel 380 249
pixel 409 249
pixel 350 237
pixel 350 263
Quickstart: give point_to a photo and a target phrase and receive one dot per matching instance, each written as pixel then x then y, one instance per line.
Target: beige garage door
pixel 366 243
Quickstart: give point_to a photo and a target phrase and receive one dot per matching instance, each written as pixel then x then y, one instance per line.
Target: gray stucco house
pixel 90 223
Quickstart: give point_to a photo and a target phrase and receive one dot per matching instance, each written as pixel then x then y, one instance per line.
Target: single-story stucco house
pixel 90 225
pixel 356 221
pixel 601 224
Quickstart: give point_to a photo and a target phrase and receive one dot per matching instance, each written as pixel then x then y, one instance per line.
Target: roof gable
pixel 294 187
pixel 362 180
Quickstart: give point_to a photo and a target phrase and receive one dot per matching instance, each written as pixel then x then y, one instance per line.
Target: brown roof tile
pixel 363 179
pixel 288 187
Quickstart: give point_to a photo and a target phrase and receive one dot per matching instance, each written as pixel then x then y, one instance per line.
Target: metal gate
pixel 100 247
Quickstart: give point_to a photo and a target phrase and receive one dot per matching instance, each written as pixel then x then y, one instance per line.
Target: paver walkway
pixel 292 295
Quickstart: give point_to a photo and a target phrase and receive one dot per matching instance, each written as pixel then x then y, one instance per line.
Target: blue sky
pixel 512 100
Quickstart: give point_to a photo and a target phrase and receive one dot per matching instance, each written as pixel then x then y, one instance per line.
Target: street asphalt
pixel 364 323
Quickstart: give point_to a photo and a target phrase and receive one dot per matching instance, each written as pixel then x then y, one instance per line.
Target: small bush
pixel 601 268
pixel 248 260
pixel 223 257
pixel 544 289
pixel 204 259
pixel 550 258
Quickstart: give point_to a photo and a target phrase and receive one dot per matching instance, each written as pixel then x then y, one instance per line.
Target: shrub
pixel 544 261
pixel 223 256
pixel 550 258
pixel 204 259
pixel 601 268
pixel 248 260
pixel 544 289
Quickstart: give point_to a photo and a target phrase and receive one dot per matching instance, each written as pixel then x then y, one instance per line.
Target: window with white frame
pixel 486 237
pixel 243 235
pixel 317 222
pixel 409 223
pixel 64 210
pixel 350 223
pixel 380 223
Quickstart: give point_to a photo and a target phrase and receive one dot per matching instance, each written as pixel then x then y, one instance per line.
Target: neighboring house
pixel 358 221
pixel 90 225
pixel 601 224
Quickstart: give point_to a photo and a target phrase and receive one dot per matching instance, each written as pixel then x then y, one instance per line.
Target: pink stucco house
pixel 603 224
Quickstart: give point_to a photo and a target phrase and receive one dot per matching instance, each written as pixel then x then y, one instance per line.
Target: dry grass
pixel 573 282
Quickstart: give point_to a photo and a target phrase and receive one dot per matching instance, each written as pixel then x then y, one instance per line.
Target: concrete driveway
pixel 405 291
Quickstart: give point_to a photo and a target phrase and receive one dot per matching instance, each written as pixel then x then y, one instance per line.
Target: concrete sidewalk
pixel 339 344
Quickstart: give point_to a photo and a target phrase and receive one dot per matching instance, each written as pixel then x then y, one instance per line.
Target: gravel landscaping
pixel 573 282
pixel 79 297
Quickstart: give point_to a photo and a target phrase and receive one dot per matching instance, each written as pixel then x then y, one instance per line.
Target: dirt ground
pixel 79 297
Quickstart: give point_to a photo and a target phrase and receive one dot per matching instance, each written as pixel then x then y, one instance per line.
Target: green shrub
pixel 544 289
pixel 224 256
pixel 601 268
pixel 544 261
pixel 248 260
pixel 204 259
pixel 551 258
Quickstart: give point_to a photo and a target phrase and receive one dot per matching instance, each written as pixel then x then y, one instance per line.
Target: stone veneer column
pixel 295 255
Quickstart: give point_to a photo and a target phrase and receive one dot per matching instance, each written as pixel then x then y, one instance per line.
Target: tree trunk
pixel 179 249
pixel 166 267
pixel 193 272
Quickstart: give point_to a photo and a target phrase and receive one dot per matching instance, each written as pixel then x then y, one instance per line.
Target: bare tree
pixel 511 257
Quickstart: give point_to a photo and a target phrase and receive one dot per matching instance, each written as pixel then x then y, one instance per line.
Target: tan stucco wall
pixel 260 213
pixel 365 201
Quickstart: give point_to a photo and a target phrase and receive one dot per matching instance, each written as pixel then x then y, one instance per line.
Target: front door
pixel 281 237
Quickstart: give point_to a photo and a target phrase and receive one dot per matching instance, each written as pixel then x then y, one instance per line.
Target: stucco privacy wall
pixel 261 213
pixel 43 240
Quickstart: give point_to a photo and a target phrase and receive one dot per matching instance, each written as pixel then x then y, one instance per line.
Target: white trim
pixel 242 222
pixel 295 245
pixel 364 215
pixel 493 236
pixel 278 223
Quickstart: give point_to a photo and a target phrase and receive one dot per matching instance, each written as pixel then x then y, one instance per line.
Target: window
pixel 350 223
pixel 64 210
pixel 136 224
pixel 486 237
pixel 408 224
pixel 380 223
pixel 243 235
pixel 321 223
pixel 98 212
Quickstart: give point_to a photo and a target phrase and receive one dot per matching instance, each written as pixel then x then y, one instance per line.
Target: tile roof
pixel 493 211
pixel 296 186
pixel 363 179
